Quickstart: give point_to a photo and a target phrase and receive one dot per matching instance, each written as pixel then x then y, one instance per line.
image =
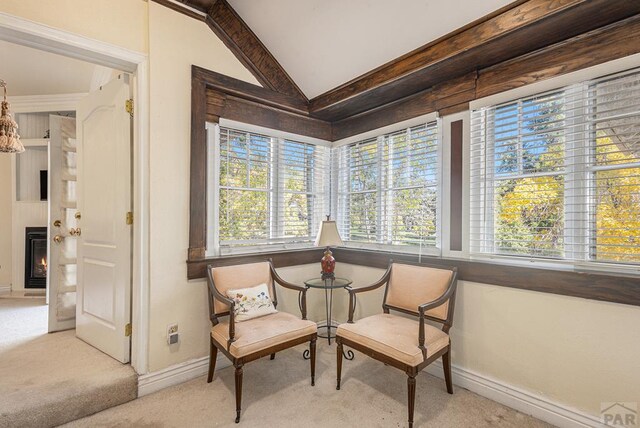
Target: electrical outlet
pixel 172 334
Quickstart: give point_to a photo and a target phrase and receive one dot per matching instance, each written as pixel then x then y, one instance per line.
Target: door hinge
pixel 127 329
pixel 129 217
pixel 129 107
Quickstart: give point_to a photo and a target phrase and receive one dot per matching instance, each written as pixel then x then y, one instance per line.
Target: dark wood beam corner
pixel 247 47
pixel 249 91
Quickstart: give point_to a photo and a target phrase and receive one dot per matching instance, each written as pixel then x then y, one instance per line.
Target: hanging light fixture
pixel 9 138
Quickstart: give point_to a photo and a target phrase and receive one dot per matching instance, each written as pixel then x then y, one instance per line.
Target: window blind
pixel 387 189
pixel 271 190
pixel 557 175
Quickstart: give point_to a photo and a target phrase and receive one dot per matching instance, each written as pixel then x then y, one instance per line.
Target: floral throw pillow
pixel 251 302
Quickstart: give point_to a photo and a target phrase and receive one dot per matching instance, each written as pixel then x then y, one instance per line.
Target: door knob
pixel 57 239
pixel 57 223
pixel 78 216
pixel 75 232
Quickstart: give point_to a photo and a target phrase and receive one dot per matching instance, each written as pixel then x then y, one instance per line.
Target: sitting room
pixel 319 213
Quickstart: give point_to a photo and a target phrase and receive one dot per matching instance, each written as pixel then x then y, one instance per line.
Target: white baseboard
pixel 175 375
pixel 4 289
pixel 531 404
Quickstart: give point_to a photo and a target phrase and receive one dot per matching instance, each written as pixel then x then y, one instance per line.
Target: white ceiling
pixel 29 71
pixel 325 43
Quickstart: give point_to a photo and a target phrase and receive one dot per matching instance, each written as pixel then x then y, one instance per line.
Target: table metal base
pixel 348 354
pixel 329 325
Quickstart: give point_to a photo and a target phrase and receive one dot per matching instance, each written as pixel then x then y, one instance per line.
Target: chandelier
pixel 9 138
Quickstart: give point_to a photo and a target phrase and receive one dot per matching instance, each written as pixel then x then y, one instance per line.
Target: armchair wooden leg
pixel 411 384
pixel 312 347
pixel 213 354
pixel 339 363
pixel 446 365
pixel 273 356
pixel 238 391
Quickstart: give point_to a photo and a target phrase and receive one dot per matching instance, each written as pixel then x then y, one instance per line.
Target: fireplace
pixel 35 257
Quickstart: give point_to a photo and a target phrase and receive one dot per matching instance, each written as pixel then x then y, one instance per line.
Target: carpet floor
pixel 50 379
pixel 279 394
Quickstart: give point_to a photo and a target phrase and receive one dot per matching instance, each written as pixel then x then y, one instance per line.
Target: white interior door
pixel 103 308
pixel 61 257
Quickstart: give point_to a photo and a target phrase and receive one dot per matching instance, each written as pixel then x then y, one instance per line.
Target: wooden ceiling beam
pixel 247 47
pixel 599 46
pixel 518 29
pixel 605 44
pixel 447 94
pixel 225 22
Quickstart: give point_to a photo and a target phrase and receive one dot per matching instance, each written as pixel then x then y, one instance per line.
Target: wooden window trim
pixel 197 268
pixel 215 95
pixel 210 94
pixel 593 286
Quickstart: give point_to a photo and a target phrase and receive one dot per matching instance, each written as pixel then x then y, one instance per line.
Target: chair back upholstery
pixel 411 286
pixel 239 276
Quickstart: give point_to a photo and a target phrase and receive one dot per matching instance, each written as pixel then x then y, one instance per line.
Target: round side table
pixel 328 285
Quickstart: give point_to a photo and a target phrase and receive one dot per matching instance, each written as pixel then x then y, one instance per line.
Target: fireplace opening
pixel 35 258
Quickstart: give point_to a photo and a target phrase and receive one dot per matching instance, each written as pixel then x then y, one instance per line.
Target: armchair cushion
pixel 251 302
pixel 410 286
pixel 260 333
pixel 240 276
pixel 394 336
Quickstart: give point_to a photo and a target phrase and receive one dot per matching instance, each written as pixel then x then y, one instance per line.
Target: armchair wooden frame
pixel 238 363
pixel 411 371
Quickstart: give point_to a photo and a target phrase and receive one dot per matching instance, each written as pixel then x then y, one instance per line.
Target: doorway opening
pixel 44 221
pixel 47 39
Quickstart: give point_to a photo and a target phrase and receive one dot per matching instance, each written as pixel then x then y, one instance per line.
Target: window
pixel 557 175
pixel 271 191
pixel 387 190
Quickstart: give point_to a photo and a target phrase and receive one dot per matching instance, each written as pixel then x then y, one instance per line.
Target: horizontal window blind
pixel 557 175
pixel 272 191
pixel 387 188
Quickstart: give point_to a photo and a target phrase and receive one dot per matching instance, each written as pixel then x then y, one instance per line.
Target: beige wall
pixel 5 219
pixel 119 22
pixel 571 351
pixel 175 43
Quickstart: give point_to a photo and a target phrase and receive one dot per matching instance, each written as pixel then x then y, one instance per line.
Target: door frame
pixel 24 32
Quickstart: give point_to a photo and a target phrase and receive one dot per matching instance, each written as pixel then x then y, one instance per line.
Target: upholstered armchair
pixel 254 338
pixel 424 292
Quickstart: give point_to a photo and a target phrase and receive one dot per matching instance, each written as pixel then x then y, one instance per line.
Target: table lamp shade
pixel 328 235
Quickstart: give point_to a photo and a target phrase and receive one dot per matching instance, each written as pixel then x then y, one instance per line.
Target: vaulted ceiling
pixel 323 44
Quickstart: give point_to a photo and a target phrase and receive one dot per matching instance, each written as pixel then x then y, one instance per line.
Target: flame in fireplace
pixel 43 262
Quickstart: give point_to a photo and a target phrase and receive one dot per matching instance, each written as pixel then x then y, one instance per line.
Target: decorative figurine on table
pixel 328 236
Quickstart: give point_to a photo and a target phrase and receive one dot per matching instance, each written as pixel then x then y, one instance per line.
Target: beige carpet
pixel 50 379
pixel 278 394
pixel 21 319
